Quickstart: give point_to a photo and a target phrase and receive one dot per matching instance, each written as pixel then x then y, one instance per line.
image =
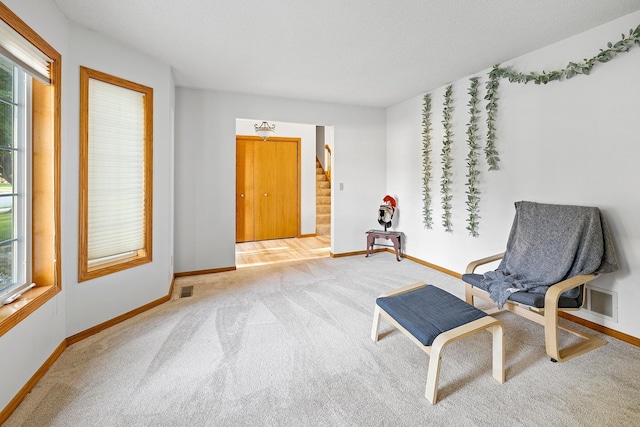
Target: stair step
pixel 323 219
pixel 323 230
pixel 323 209
pixel 323 200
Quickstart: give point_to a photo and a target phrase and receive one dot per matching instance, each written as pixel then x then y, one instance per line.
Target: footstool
pixel 432 318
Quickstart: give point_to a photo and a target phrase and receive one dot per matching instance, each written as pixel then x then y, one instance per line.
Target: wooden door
pixel 289 202
pixel 245 230
pixel 272 184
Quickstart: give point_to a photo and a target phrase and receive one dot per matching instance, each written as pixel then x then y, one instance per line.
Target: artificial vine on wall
pixel 572 69
pixel 473 194
pixel 490 152
pixel 447 162
pixel 426 162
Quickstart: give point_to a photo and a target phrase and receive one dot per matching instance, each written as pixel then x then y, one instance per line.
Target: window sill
pixel 87 273
pixel 30 301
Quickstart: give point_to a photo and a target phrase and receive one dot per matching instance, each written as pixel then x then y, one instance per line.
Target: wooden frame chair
pixel 552 252
pixel 546 316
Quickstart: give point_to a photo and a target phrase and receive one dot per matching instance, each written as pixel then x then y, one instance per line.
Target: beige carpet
pixel 288 345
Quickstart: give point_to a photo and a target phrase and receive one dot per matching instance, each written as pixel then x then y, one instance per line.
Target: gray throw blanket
pixel 550 243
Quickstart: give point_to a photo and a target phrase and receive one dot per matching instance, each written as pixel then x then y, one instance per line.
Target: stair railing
pixel 327 162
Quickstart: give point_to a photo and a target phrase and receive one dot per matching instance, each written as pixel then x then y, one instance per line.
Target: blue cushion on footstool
pixel 429 311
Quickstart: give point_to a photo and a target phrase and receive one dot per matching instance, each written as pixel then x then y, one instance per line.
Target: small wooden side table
pixel 394 236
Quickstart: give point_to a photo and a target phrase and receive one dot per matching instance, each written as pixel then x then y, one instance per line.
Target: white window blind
pixel 116 216
pixel 17 49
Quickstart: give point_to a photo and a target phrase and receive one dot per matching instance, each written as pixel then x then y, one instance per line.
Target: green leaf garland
pixel 490 152
pixel 571 70
pixel 447 161
pixel 427 213
pixel 473 194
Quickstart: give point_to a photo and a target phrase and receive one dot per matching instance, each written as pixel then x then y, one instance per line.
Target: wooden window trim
pixel 85 272
pixel 46 136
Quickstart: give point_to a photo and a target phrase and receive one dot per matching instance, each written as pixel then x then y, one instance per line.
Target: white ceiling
pixel 359 52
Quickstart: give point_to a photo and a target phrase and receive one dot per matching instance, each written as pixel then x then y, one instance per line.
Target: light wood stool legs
pixel 442 340
pixel 435 350
pixel 376 324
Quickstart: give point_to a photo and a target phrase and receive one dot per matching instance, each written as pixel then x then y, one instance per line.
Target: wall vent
pixel 602 302
pixel 186 291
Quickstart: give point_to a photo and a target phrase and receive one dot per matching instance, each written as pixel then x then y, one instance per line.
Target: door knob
pixel 242 195
pixel 265 194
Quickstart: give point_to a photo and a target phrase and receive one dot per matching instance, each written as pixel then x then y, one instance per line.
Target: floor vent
pixel 186 291
pixel 602 302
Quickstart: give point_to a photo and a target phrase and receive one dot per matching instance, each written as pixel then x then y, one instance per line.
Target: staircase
pixel 323 202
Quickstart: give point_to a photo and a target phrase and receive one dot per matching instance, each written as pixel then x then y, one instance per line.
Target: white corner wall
pixel 80 306
pixel 26 347
pixel 570 142
pixel 205 170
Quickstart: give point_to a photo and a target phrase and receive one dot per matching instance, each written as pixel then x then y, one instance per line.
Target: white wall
pixel 95 301
pixel 205 170
pixel 80 306
pixel 320 146
pixel 329 137
pixel 307 135
pixel 570 142
pixel 324 138
pixel 26 347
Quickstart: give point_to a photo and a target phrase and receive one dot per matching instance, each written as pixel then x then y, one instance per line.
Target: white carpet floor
pixel 289 345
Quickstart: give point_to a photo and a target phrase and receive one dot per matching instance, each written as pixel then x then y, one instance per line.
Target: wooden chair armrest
pixel 553 294
pixel 471 267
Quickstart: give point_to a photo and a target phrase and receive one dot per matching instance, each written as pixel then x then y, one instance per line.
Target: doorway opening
pixel 311 237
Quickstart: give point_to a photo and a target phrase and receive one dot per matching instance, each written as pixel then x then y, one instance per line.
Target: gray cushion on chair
pixel 528 298
pixel 427 312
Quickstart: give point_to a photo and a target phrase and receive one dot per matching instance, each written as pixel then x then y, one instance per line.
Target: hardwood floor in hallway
pixel 249 254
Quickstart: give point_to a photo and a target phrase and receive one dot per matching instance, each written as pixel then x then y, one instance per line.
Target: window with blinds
pixel 23 54
pixel 30 122
pixel 20 62
pixel 116 152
